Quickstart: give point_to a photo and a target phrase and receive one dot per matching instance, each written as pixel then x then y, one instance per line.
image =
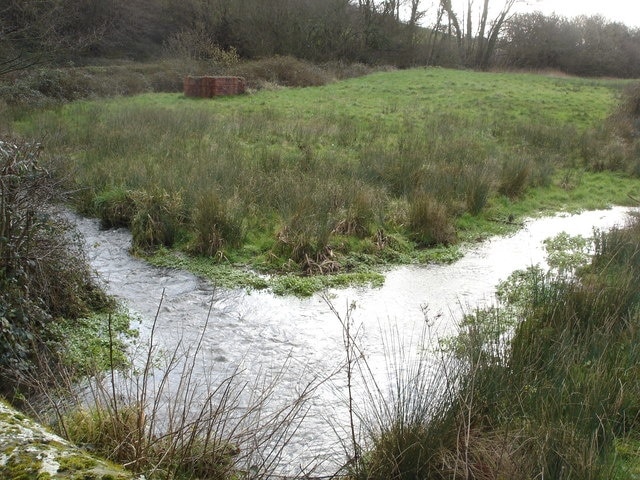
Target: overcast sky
pixel 625 11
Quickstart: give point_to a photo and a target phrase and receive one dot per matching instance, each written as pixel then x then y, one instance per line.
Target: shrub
pixel 44 273
pixel 198 44
pixel 281 70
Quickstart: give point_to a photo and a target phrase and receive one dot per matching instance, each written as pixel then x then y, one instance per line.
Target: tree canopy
pixel 469 33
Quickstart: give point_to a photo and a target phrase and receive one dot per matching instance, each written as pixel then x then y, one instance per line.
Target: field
pixel 338 180
pixel 324 186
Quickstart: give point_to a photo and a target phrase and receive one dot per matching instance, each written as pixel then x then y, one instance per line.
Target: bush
pixel 198 44
pixel 282 70
pixel 44 273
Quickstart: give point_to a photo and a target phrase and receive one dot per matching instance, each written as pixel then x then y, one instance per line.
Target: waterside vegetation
pixel 342 178
pixel 302 189
pixel 278 181
pixel 543 385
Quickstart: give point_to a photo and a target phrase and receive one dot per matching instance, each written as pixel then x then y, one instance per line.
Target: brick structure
pixel 208 87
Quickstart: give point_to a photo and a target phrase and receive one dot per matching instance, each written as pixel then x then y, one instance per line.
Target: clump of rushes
pixel 215 225
pixel 115 207
pixel 477 189
pixel 429 221
pixel 157 220
pixel 305 240
pixel 514 177
pixel 358 216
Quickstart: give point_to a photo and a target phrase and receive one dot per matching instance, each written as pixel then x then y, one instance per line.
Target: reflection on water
pixel 259 333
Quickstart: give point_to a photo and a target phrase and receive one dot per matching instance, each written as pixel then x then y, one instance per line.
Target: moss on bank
pixel 28 451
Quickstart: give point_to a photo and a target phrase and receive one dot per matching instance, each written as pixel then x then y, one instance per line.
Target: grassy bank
pixel 542 386
pixel 342 178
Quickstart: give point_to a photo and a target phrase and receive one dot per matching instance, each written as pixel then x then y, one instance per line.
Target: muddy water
pixel 297 341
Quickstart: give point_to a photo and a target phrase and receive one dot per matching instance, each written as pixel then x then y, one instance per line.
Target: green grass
pixel 542 385
pixel 373 169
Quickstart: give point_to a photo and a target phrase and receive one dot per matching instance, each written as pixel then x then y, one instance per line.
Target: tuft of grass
pixel 157 218
pixel 215 226
pixel 115 208
pixel 430 222
pixel 514 177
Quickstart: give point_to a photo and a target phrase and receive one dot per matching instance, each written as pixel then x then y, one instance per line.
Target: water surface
pixel 257 333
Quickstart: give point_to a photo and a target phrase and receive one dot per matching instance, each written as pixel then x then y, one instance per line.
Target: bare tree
pixel 476 44
pixel 488 45
pixel 415 13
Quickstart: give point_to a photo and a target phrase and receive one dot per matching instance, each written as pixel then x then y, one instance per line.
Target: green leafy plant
pixel 44 274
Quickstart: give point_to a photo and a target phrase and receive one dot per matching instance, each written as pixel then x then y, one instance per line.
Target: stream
pixel 284 344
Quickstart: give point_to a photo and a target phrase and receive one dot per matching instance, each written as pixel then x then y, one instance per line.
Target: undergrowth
pixel 44 274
